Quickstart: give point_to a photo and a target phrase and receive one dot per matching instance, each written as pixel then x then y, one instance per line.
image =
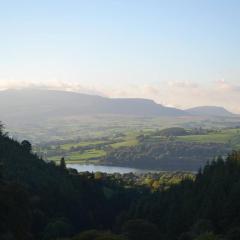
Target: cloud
pixel 188 94
pixel 50 85
pixel 182 84
pixel 224 86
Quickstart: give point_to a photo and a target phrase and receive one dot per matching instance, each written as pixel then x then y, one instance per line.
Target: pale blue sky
pixel 138 42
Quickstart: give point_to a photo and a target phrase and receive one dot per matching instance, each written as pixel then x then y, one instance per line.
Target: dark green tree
pixel 97 235
pixel 63 163
pixel 233 234
pixel 26 145
pixel 139 229
pixel 1 128
pixel 207 236
pixel 58 229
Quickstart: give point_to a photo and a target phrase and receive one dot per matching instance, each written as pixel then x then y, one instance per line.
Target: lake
pixel 105 169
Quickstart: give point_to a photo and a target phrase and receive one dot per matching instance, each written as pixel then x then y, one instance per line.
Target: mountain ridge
pixel 217 111
pixel 61 103
pixel 38 104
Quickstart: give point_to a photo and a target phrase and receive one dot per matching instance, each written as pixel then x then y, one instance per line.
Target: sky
pixel 180 53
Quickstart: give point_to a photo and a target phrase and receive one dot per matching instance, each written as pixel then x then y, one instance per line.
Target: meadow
pixel 94 150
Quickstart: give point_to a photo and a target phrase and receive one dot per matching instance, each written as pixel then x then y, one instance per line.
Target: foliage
pixel 174 131
pixel 139 229
pixel 56 229
pixel 40 200
pixel 62 163
pixel 15 212
pixel 26 145
pixel 53 194
pixel 1 128
pixel 174 148
pixel 97 235
pixel 207 236
pixel 166 155
pixel 214 197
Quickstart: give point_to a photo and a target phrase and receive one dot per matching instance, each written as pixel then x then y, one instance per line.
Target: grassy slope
pixel 231 136
pixel 91 154
pixel 128 141
pixel 228 136
pixel 68 146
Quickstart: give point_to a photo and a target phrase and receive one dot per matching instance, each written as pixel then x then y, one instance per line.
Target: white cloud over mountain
pixel 181 94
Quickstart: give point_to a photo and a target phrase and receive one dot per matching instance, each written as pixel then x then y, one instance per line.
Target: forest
pixel 166 155
pixel 44 201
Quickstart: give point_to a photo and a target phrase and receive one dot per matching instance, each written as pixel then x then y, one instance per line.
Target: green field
pixel 129 141
pixel 93 149
pixel 87 155
pixel 96 149
pixel 229 136
pixel 91 139
pixel 68 146
pixel 92 127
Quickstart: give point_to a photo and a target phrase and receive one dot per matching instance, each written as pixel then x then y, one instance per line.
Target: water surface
pixel 105 169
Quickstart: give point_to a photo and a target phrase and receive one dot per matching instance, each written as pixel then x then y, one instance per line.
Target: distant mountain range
pixel 210 111
pixel 20 105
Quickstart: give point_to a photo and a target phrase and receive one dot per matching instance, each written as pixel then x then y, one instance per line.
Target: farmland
pixel 99 150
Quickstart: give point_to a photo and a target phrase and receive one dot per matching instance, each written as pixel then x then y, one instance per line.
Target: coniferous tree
pixel 63 163
pixel 27 146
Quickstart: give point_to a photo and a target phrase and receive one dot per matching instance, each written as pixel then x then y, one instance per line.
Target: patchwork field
pixel 96 149
pixel 228 136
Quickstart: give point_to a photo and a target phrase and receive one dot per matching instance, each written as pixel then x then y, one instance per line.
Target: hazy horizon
pixel 180 54
pixel 101 95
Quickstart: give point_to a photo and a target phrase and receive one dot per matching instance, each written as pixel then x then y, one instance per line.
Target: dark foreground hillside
pixel 42 201
pixel 39 200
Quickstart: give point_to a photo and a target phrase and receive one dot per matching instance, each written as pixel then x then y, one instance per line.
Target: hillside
pixel 31 105
pixel 210 111
pixel 39 200
pixel 167 149
pixel 42 201
pixel 46 116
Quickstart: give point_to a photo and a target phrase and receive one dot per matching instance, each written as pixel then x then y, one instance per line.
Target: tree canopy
pixel 44 201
